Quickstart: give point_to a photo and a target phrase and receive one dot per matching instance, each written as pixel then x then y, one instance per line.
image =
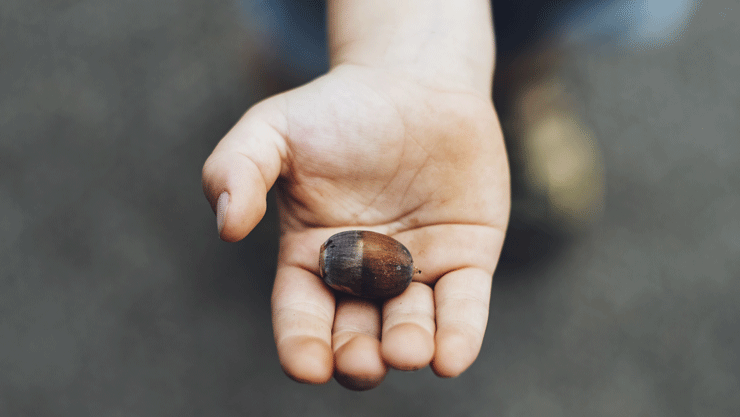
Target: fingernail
pixel 221 207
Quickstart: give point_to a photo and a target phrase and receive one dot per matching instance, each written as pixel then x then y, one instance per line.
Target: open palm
pixel 374 150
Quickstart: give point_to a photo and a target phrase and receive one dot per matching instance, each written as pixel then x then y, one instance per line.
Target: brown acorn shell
pixel 366 264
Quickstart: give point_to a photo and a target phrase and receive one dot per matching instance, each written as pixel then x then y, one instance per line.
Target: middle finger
pixel 356 344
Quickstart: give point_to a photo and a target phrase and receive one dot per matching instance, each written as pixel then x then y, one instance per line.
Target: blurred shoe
pixel 556 165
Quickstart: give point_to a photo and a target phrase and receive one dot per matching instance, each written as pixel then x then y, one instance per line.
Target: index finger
pixel 302 319
pixel 462 300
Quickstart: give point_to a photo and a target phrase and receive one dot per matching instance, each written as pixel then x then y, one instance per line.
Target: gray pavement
pixel 117 299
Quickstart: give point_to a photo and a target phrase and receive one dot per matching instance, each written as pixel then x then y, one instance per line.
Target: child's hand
pixel 362 148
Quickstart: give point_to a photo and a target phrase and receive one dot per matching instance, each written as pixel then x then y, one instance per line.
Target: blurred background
pixel 618 293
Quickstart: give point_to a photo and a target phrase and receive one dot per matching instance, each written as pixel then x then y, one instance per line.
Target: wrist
pixel 443 43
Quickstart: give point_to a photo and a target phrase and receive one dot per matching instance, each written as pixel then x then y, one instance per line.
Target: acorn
pixel 366 264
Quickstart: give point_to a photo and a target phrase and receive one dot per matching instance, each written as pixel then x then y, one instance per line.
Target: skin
pixel 401 138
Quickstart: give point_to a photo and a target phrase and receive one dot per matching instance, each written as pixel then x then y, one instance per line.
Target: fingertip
pixel 407 347
pixel 307 359
pixel 241 215
pixel 358 364
pixel 237 192
pixel 456 351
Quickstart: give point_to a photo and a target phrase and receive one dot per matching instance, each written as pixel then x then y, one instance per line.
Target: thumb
pixel 242 168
